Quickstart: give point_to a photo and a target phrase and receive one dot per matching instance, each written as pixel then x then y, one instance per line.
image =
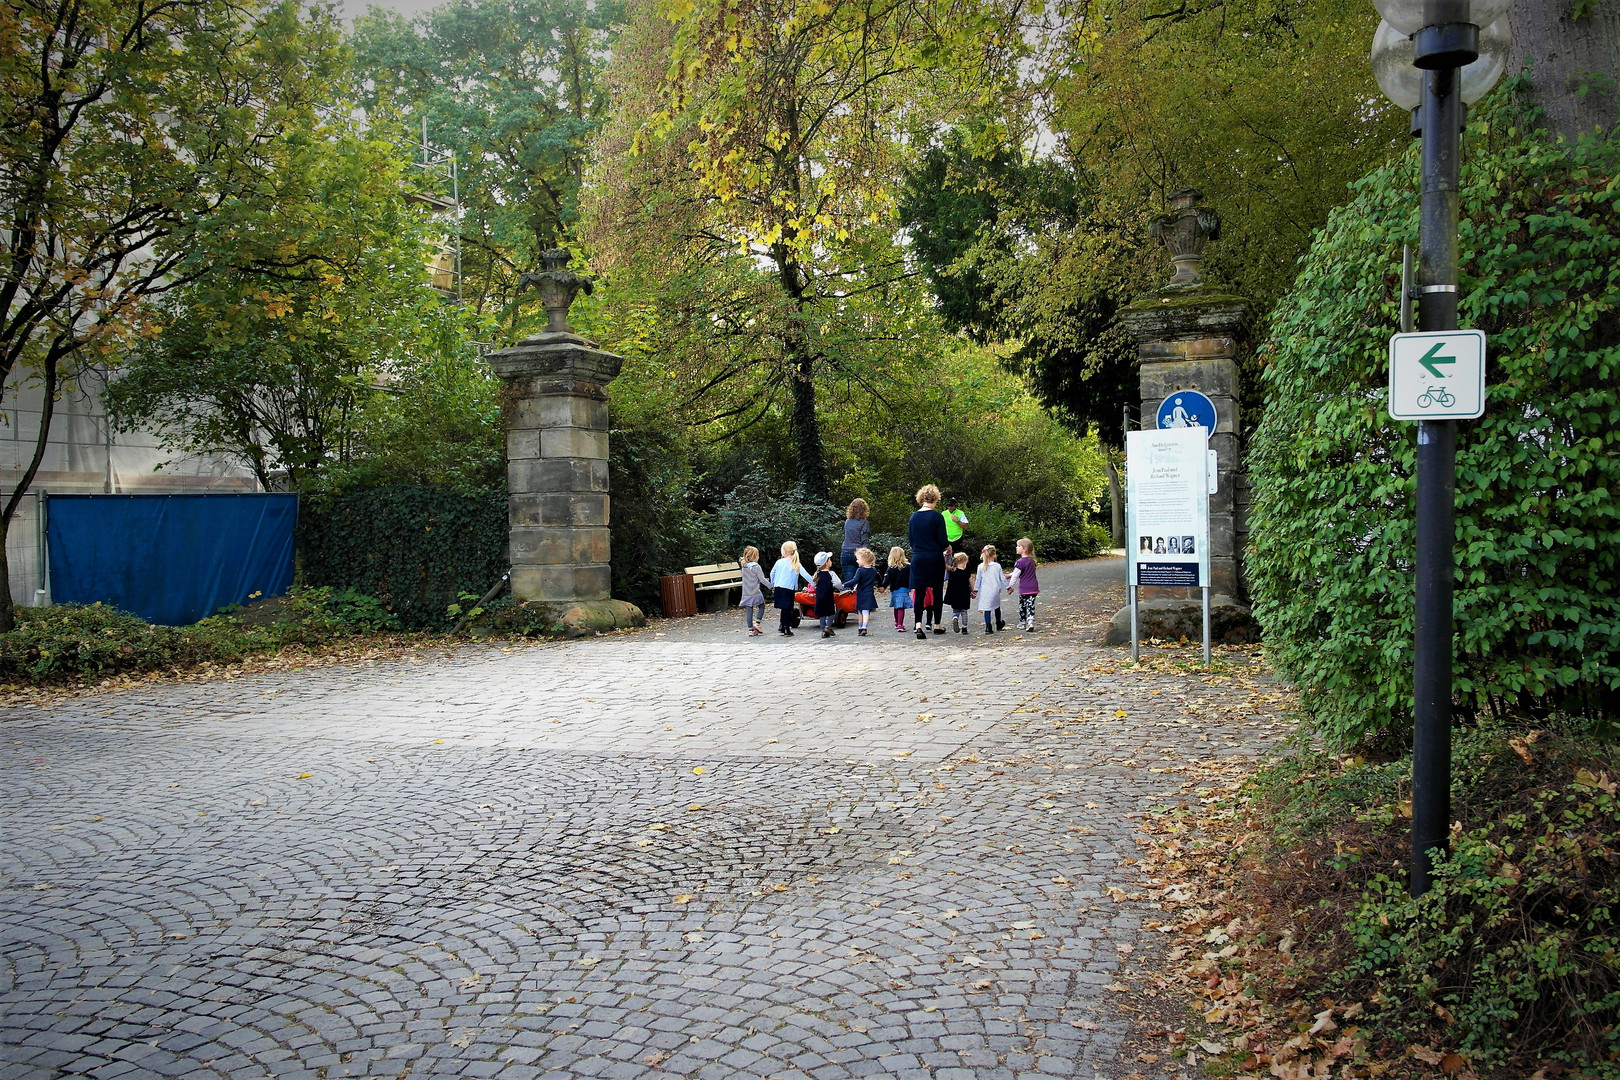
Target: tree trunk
pixel 53 356
pixel 801 369
pixel 807 431
pixel 8 611
pixel 1573 61
pixel 1116 500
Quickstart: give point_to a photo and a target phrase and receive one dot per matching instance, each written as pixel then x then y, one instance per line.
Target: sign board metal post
pixel 1206 626
pixel 1135 633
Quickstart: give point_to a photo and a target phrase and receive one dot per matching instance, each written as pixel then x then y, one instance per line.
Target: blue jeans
pixel 847 564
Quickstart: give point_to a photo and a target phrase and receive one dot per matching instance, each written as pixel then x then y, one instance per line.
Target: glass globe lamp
pixel 1402 82
pixel 1410 16
pixel 1478 78
pixel 1392 66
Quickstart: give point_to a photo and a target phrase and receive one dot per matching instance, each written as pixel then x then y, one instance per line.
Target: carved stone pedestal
pixel 555 412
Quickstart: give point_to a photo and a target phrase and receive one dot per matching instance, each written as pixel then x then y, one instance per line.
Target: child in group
pixel 898 582
pixel 827 584
pixel 988 586
pixel 864 582
pixel 785 577
pixel 754 583
pixel 1025 584
pixel 959 592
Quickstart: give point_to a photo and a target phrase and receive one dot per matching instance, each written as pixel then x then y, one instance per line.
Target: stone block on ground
pixel 1230 623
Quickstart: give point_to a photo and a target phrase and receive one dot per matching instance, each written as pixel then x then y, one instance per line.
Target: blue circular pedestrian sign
pixel 1187 408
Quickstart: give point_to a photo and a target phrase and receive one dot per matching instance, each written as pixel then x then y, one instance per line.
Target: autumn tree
pixel 316 301
pixel 748 176
pixel 128 130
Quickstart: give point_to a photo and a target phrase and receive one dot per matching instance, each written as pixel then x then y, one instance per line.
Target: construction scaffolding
pixel 85 455
pixel 440 165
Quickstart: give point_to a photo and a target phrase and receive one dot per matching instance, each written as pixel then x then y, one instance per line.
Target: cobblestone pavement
pixel 676 853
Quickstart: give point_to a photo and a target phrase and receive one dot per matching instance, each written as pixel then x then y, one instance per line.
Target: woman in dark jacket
pixel 926 532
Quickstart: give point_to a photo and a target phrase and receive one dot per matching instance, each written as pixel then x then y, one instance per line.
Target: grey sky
pixel 351 8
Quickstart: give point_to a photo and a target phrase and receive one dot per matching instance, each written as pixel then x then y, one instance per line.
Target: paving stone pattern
pixel 678 853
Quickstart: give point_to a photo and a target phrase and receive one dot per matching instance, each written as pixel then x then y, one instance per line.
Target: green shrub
pixel 73 642
pixel 1538 529
pixel 1513 956
pixel 415 549
pixel 752 515
pixel 81 641
pixel 1072 539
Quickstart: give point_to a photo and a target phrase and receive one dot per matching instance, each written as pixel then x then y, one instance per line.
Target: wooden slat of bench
pixel 715 576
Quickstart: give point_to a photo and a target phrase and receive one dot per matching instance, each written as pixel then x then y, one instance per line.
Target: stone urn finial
pixel 557 286
pixel 1184 231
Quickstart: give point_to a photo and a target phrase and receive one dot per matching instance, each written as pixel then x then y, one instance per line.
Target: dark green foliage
pixel 1517 941
pixel 752 515
pixel 71 642
pixel 653 528
pixel 416 549
pixel 1538 540
pixel 971 212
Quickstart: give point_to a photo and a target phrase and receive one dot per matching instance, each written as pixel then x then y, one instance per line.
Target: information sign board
pixel 1437 375
pixel 1167 506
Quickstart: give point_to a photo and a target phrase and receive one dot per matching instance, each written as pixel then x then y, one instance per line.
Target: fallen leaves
pixel 1584 778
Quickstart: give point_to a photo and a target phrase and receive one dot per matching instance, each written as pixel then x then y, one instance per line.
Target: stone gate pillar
pixel 1188 336
pixel 555 413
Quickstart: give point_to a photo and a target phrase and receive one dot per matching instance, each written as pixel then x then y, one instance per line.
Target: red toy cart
pixel 843 603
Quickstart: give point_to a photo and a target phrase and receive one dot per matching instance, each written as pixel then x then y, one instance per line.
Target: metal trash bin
pixel 677 593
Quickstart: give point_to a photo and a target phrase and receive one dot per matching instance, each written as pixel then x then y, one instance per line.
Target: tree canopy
pixel 768 141
pixel 513 89
pixel 1266 106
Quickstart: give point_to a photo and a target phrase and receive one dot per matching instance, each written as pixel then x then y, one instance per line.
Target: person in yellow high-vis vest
pixel 954 520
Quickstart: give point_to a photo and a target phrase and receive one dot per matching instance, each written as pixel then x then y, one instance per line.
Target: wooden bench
pixel 719 578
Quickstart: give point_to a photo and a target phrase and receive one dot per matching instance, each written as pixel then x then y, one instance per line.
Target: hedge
pixel 1538 525
pixel 417 549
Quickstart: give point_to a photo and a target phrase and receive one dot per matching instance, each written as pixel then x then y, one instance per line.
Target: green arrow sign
pixel 1429 360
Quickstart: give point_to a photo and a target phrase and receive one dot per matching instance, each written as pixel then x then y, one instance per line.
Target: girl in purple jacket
pixel 1025 584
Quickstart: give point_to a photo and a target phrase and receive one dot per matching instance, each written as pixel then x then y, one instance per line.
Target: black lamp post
pixel 1435 57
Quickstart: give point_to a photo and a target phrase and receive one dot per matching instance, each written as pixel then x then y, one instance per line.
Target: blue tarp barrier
pixel 170 559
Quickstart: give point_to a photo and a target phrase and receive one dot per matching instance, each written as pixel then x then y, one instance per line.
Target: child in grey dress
pixel 754 584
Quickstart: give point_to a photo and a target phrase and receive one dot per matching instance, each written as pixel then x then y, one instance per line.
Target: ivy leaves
pixel 1538 533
